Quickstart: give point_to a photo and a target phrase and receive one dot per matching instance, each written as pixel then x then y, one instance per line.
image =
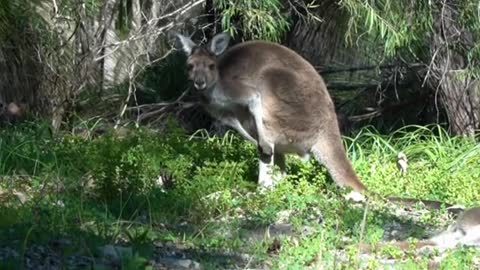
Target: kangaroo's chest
pixel 234 115
pixel 228 113
pixel 218 99
pixel 220 105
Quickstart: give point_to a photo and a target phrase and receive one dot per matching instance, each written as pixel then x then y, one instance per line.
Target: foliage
pixel 406 27
pixel 382 20
pixel 447 159
pixel 15 15
pixel 107 190
pixel 163 81
pixel 72 8
pixel 59 58
pixel 259 19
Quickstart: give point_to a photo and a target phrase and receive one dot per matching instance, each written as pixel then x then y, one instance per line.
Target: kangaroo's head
pixel 202 59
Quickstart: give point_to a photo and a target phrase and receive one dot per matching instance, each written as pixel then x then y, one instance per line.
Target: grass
pixel 147 191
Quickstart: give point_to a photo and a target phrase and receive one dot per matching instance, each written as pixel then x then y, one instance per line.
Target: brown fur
pixel 298 113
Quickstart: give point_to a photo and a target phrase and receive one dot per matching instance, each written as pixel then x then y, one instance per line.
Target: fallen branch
pixel 158 109
pixel 392 108
pixel 323 70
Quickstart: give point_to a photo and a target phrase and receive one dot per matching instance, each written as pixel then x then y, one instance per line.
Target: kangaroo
pixel 273 98
pixel 465 231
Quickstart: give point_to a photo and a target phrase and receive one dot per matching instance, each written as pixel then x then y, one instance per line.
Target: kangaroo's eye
pixel 189 66
pixel 211 66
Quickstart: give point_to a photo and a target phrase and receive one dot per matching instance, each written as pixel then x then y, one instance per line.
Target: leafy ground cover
pixel 145 200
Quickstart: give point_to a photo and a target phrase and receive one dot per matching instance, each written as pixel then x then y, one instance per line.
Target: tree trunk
pixel 458 91
pixel 320 42
pixel 461 102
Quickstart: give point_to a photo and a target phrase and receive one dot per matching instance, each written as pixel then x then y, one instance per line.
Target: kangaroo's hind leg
pixel 265 170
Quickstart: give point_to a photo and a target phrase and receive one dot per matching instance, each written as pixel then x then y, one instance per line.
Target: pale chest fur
pixel 220 105
pixel 219 99
pixel 231 113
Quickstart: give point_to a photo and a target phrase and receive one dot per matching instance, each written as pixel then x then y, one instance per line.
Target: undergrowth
pixel 200 191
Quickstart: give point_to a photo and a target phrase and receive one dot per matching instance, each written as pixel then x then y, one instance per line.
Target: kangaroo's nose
pixel 200 85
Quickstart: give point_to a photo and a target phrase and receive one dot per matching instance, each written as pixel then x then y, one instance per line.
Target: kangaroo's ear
pixel 219 43
pixel 187 43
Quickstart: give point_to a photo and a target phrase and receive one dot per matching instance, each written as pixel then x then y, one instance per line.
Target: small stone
pixel 61 243
pixel 8 252
pixel 308 230
pixel 116 252
pixel 180 263
pixel 22 197
pixel 355 196
pixel 283 216
pixel 276 230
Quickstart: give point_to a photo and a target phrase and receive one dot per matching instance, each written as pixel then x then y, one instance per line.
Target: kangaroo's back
pixel 253 60
pixel 257 55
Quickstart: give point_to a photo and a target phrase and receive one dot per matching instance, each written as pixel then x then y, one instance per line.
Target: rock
pixel 355 197
pixel 115 252
pixel 284 216
pixel 60 243
pixel 40 257
pixel 7 253
pixel 270 232
pixel 277 230
pixel 308 231
pixel 174 263
pixel 22 197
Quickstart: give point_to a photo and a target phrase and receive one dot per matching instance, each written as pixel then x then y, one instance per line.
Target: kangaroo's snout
pixel 200 84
